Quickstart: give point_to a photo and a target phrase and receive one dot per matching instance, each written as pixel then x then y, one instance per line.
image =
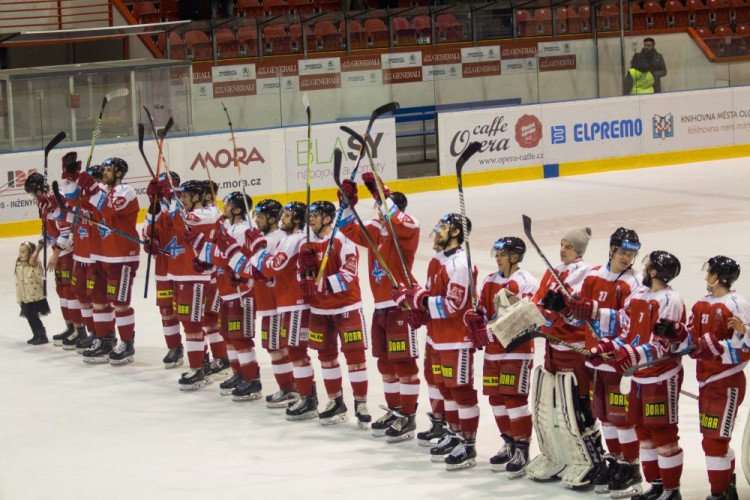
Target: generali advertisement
pixel 325 139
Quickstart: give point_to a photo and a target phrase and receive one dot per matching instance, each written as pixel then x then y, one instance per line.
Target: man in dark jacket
pixel 656 62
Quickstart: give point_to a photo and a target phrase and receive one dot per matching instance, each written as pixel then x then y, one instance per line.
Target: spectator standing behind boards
pixel 655 60
pixel 639 80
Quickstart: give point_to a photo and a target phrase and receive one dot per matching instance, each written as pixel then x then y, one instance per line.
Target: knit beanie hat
pixel 579 238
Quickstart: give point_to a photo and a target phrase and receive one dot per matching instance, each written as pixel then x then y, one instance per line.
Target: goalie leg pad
pixel 580 446
pixel 547 465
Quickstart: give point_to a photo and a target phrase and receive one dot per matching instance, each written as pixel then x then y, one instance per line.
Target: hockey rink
pixel 74 431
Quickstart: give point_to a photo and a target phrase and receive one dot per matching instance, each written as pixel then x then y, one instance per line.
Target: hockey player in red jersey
pixel 507 375
pixel 652 326
pixel 563 381
pixel 720 365
pixel 394 343
pixel 446 297
pixel 335 313
pixel 612 286
pixel 61 259
pixel 191 277
pixel 164 285
pixel 117 261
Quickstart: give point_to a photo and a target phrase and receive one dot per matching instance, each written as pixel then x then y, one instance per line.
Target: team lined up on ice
pixel 220 280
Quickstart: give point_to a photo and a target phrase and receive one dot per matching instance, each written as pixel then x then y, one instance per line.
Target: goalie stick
pixel 66 209
pixel 380 111
pixel 49 147
pixel 468 153
pixel 337 155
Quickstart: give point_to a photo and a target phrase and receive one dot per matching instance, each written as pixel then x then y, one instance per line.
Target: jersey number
pixel 602 296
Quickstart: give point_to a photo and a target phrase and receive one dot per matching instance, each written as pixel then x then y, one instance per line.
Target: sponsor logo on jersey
pixel 111 289
pixel 183 309
pixel 655 410
pixel 396 346
pixel 164 294
pixel 89 284
pixel 234 325
pixel 618 400
pixel 490 381
pixel 663 126
pixel 352 336
pixel 82 232
pixel 507 380
pixel 377 272
pixel 316 336
pixel 709 422
pixel 437 369
pixel 173 249
pixel 447 371
pixel 456 293
pixel 264 335
pixel 283 333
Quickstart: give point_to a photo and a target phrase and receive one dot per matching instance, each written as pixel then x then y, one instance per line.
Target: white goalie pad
pixel 514 317
pixel 547 465
pixel 746 450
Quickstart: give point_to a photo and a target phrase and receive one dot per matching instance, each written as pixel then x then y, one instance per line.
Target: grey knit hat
pixel 579 238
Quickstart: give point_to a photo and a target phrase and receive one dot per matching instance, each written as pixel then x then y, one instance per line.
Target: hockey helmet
pixel 627 239
pixel 323 208
pixel 117 164
pixel 665 264
pixel 511 244
pixel 727 270
pixel 236 199
pixel 399 199
pixel 297 210
pixel 454 221
pixel 269 207
pixel 35 182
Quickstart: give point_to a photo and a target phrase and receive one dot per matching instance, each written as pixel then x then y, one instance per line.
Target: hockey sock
pixel 218 346
pixel 720 471
pixel 87 316
pixel 500 412
pixel 451 415
pixel 392 394
pixel 629 445
pixel 611 437
pixel 520 422
pixel 64 308
pixel 332 378
pixel 437 403
pixel 74 308
pixel 671 470
pixel 104 319
pixel 171 328
pixel 125 321
pixel 469 421
pixel 409 395
pixel 650 464
pixel 232 355
pixel 194 344
pixel 303 378
pixel 248 363
pixel 358 380
pixel 282 370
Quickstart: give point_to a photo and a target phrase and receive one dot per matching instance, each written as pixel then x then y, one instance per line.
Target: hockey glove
pixel 152 246
pixel 707 347
pixel 165 190
pixel 308 260
pixel 152 189
pixel 602 352
pixel 625 357
pixel 236 281
pixel 477 328
pixel 416 298
pixel 194 239
pixel 70 166
pixel 398 294
pixel 201 267
pixel 47 205
pixel 583 309
pixel 667 333
pixel 87 184
pixel 257 275
pixel 227 246
pixel 554 301
pixel 348 193
pixel 307 285
pixel 254 240
pixel 372 186
pixel 417 319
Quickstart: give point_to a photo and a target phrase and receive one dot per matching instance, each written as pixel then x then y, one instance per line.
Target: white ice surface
pixel 72 431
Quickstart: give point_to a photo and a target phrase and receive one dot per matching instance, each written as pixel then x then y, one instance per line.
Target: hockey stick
pixel 237 164
pixel 159 139
pixel 337 155
pixel 386 213
pixel 385 108
pixel 50 146
pixel 112 95
pixel 470 150
pixel 306 103
pixel 66 209
pixel 533 333
pixel 627 375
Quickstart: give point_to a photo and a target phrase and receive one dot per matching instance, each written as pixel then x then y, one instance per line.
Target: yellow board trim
pixel 473 179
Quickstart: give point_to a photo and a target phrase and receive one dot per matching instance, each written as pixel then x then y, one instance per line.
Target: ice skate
pixel 669 495
pixel 69 342
pixel 122 354
pixel 653 493
pixel 501 459
pixel 192 380
pixel 444 446
pixel 729 494
pixel 248 391
pixel 281 399
pixel 363 415
pixel 402 428
pixel 627 480
pixel 380 425
pixel 85 342
pixel 39 338
pixel 173 358
pixel 608 469
pixel 519 460
pixel 220 368
pixel 230 384
pixel 437 431
pixel 305 408
pixel 463 456
pixel 207 368
pixel 334 413
pixel 58 339
pixel 99 351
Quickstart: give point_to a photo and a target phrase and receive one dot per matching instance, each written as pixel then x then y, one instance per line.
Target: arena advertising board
pixel 325 139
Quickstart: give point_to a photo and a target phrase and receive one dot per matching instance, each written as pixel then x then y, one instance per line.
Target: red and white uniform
pixel 721 381
pixel 507 376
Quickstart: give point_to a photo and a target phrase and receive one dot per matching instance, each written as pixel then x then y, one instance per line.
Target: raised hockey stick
pixel 108 97
pixel 386 213
pixel 306 103
pixel 67 209
pixel 337 155
pixel 160 141
pixel 237 164
pixel 385 108
pixel 49 147
pixel 470 150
